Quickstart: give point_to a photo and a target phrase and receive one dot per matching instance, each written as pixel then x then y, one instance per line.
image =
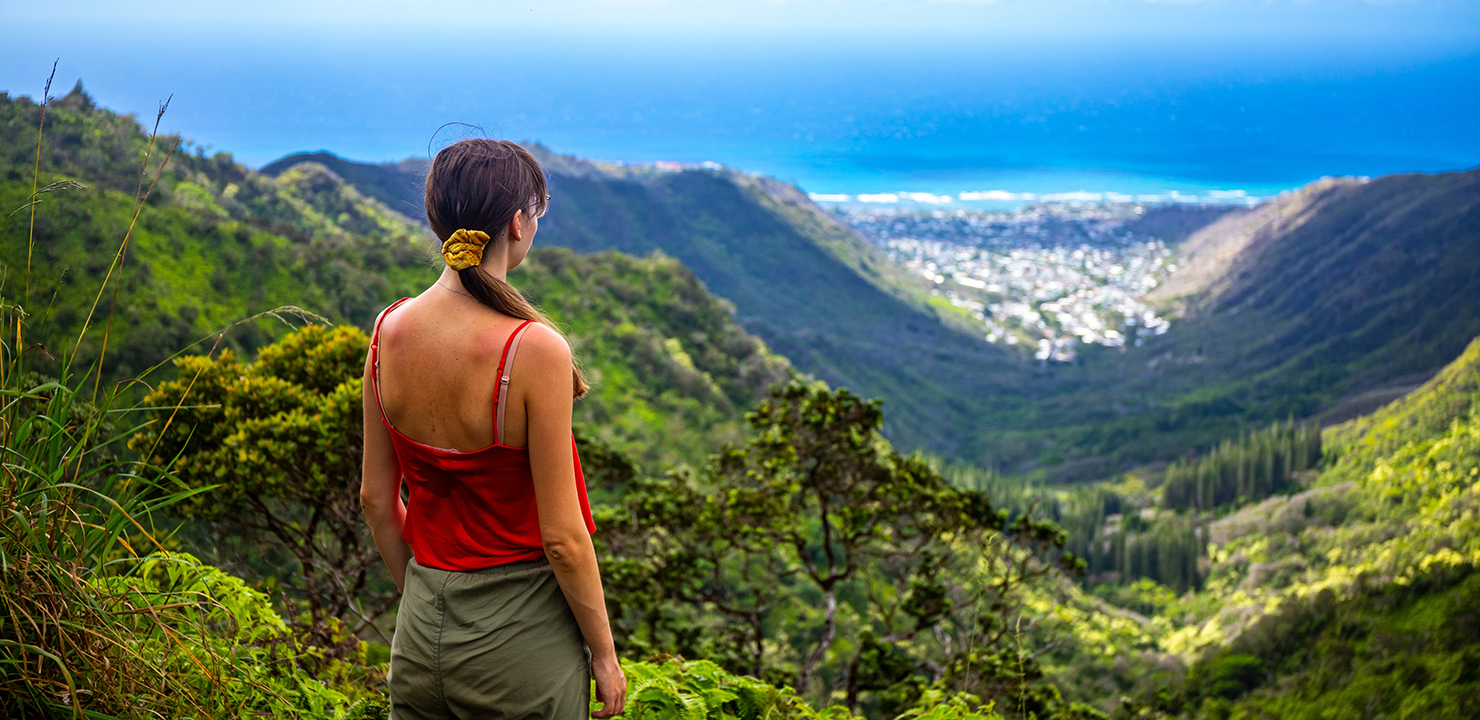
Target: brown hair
pixel 482 184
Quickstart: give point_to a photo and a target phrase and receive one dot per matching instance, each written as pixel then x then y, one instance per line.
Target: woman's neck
pixel 495 258
pixel 495 264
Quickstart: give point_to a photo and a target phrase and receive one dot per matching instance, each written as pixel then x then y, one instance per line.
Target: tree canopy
pixel 278 444
pixel 818 556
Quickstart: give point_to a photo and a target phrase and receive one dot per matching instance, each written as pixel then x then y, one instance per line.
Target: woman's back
pixel 439 356
pixel 470 479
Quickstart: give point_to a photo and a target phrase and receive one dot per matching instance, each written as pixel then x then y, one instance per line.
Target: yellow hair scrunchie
pixel 464 249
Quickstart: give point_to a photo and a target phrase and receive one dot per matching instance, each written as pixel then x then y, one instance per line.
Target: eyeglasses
pixel 536 204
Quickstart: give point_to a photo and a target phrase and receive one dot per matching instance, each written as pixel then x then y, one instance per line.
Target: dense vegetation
pixel 1351 596
pixel 101 618
pixel 275 446
pixel 819 557
pixel 1126 529
pixel 218 242
pixel 1252 467
pixel 1374 606
pixel 1348 592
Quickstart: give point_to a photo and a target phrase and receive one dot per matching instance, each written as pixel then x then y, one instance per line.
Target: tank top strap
pixel 375 356
pixel 505 366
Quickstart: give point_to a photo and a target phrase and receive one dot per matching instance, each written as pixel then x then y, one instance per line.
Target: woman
pixel 468 394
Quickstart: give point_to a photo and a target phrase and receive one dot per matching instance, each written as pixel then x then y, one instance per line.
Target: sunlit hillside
pixel 1350 592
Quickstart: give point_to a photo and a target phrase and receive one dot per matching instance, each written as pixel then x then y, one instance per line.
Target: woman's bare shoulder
pixel 389 323
pixel 546 347
pixel 544 362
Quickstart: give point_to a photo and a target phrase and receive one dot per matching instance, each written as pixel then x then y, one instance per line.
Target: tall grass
pixel 74 513
pixel 98 618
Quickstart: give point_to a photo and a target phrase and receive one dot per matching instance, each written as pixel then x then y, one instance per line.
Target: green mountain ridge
pixel 1322 303
pixel 217 242
pixel 811 288
pixel 398 186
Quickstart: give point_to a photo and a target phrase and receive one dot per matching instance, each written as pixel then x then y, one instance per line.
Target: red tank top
pixel 470 510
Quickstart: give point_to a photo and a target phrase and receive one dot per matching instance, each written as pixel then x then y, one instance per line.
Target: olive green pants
pixel 496 643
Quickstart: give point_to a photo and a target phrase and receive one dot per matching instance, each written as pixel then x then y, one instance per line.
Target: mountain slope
pixel 1356 597
pixel 671 372
pixel 1349 594
pixel 1379 278
pixel 214 243
pixel 791 291
pixel 809 287
pixel 217 242
pixel 1324 302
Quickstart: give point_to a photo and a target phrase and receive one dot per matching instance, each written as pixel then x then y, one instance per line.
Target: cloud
pixel 1212 197
pixel 927 198
pixel 1000 195
pixel 1079 196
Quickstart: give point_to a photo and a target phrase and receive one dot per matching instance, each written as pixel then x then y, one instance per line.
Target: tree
pixel 819 556
pixel 278 444
pixel 824 497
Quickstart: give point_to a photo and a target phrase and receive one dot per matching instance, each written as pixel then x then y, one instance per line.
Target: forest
pixel 181 537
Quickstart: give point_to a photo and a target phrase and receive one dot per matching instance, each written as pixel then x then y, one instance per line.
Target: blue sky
pixel 863 96
pixel 1417 19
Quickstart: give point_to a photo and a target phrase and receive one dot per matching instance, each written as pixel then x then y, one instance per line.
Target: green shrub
pixel 961 706
pixel 701 690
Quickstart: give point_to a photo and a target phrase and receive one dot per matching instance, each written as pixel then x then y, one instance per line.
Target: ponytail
pixel 481 185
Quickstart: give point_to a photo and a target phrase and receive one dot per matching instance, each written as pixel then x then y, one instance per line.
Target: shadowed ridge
pixel 1425 412
pixel 1378 278
pixel 399 185
pixel 1208 254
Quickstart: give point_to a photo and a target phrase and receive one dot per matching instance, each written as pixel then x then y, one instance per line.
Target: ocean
pixel 997 121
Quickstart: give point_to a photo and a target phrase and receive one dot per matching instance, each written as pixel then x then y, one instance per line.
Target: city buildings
pixel 1050 276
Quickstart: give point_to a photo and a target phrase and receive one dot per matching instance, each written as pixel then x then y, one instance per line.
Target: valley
pixel 1321 332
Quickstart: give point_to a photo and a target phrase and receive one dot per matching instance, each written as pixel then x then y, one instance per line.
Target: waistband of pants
pixel 496 570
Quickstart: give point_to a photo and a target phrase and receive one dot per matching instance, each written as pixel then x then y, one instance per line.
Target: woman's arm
pixel 380 488
pixel 545 364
